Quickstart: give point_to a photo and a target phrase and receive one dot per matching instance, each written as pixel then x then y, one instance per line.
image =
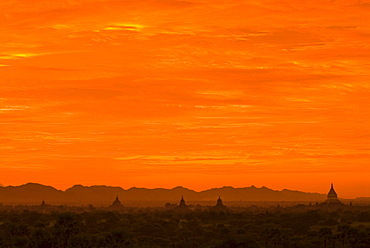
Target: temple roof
pixel 116 204
pixel 117 201
pixel 182 202
pixel 219 202
pixel 332 191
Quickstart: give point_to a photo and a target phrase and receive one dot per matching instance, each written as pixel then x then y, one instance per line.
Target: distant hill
pixel 32 193
pixel 28 193
pixel 362 200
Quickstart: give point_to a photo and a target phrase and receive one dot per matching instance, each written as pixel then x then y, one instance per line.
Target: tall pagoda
pixel 332 196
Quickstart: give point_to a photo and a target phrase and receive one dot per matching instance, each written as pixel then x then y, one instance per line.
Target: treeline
pixel 188 229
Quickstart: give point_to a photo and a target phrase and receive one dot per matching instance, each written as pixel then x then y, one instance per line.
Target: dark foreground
pixel 295 227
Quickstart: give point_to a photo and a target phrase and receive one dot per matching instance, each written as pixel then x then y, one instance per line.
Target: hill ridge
pixel 103 194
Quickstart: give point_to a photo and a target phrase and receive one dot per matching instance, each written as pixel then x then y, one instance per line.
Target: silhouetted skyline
pixel 78 194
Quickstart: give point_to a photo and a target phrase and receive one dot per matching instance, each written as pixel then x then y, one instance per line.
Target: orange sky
pixel 199 93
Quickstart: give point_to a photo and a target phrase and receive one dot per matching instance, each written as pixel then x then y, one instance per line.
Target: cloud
pixel 19 55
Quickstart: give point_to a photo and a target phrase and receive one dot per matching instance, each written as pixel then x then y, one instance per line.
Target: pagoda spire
pixel 332 195
pixel 182 202
pixel 116 204
pixel 219 203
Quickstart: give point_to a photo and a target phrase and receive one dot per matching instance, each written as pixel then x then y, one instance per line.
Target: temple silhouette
pixel 182 205
pixel 116 204
pixel 219 204
pixel 332 198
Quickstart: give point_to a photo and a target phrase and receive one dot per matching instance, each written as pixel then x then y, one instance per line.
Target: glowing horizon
pixel 203 94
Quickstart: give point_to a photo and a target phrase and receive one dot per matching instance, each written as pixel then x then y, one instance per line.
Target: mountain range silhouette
pixel 33 193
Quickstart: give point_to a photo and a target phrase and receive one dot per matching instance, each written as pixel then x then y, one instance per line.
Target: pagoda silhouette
pixel 219 204
pixel 182 205
pixel 332 198
pixel 116 205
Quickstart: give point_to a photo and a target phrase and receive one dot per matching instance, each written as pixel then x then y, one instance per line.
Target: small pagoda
pixel 182 206
pixel 219 204
pixel 182 203
pixel 116 205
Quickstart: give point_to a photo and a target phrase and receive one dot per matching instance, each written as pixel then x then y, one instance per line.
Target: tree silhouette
pixel 325 233
pixel 65 227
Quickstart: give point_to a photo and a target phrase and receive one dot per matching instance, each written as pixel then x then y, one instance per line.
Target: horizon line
pixel 179 186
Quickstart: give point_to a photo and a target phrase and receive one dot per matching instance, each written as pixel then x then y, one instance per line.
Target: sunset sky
pixel 198 93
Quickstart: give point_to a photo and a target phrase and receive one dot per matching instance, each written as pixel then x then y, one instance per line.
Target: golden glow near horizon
pixel 194 93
